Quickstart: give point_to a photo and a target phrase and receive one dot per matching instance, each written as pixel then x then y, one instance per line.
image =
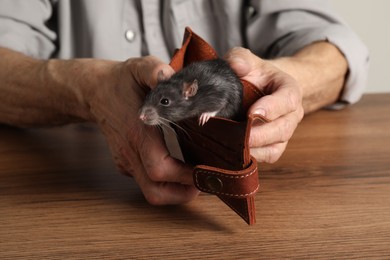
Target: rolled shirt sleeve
pixel 24 27
pixel 285 26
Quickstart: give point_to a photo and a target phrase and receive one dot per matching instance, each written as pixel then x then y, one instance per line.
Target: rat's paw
pixel 206 116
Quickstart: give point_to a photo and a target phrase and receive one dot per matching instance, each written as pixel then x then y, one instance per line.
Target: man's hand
pixel 137 149
pixel 282 103
pixel 55 92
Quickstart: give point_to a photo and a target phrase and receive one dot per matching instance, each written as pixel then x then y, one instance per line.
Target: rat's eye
pixel 164 102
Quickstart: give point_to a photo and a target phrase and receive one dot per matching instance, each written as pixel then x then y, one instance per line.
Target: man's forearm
pixel 320 68
pixel 42 93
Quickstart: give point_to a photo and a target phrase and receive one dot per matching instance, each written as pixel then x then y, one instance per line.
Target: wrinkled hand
pixel 282 104
pixel 139 150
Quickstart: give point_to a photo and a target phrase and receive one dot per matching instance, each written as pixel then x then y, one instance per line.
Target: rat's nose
pixel 143 117
pixel 147 114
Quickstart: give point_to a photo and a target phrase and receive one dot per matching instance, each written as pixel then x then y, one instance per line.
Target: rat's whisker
pixel 167 121
pixel 162 123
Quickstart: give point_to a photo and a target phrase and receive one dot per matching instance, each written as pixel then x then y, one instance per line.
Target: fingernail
pixel 237 60
pixel 239 65
pixel 259 111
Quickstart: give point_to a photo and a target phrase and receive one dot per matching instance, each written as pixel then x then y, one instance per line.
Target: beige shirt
pixel 120 29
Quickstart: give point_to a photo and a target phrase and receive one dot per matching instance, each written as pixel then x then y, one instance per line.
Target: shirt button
pixel 130 35
pixel 250 12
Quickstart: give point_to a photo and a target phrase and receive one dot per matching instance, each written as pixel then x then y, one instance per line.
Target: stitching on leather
pixel 226 176
pixel 228 194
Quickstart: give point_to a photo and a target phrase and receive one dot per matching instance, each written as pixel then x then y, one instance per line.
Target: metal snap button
pixel 214 183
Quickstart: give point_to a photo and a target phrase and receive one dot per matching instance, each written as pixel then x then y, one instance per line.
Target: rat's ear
pixel 190 89
pixel 161 76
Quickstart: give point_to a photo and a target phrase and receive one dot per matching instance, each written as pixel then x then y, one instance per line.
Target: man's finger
pixel 148 70
pixel 159 192
pixel 167 193
pixel 277 131
pixel 158 163
pixel 270 153
pixel 284 99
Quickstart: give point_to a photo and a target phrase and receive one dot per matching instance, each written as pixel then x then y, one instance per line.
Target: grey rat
pixel 202 89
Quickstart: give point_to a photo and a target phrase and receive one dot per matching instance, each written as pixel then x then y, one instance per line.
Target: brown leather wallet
pixel 219 150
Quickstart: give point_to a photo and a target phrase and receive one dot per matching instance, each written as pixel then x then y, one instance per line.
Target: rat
pixel 202 89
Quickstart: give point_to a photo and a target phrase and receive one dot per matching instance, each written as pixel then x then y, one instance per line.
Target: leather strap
pixel 222 182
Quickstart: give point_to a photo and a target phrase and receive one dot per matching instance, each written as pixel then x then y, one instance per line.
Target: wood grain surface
pixel 328 197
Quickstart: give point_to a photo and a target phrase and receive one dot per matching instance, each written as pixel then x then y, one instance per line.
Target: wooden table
pixel 328 197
